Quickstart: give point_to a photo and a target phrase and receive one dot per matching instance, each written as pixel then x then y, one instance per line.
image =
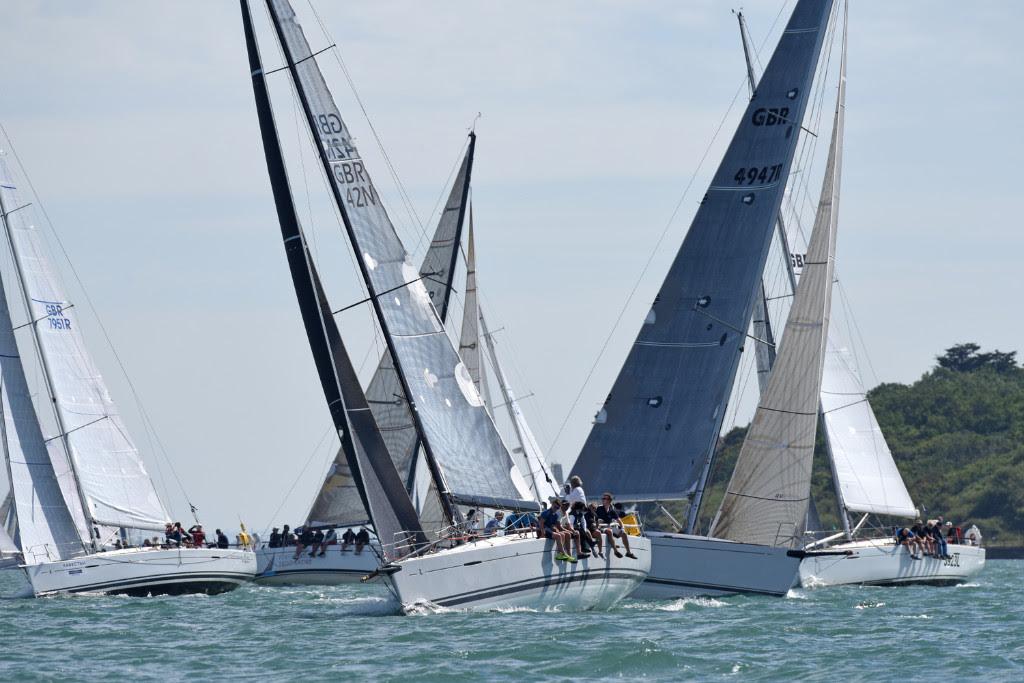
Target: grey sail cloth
pixel 764 340
pixel 767 497
pixel 378 483
pixel 457 433
pixel 334 504
pixel 658 426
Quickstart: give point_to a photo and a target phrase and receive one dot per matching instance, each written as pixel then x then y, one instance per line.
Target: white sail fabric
pixel 653 437
pixel 868 478
pixel 46 528
pixel 767 497
pixel 457 431
pixel 47 531
pixel 111 475
pixel 527 454
pixel 469 339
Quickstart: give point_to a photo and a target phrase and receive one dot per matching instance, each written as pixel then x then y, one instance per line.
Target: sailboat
pixel 865 476
pixel 81 493
pixel 337 504
pixel 654 438
pixel 467 461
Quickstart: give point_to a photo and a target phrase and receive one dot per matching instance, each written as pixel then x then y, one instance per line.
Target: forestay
pixel 110 472
pixel 868 478
pixel 659 424
pixel 457 432
pixel 767 497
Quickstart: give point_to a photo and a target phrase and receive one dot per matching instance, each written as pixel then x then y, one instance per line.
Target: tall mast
pixel 332 362
pixel 51 394
pixel 439 479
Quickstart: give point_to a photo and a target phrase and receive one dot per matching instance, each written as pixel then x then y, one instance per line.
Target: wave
pixel 869 604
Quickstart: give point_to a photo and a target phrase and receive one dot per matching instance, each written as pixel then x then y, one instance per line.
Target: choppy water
pixel 321 633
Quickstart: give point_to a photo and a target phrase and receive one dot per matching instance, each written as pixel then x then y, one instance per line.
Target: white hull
pixel 511 571
pixel 883 563
pixel 688 566
pixel 146 571
pixel 278 566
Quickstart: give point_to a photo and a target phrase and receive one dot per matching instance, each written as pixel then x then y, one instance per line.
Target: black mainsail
pixel 658 427
pixel 376 479
pixel 467 459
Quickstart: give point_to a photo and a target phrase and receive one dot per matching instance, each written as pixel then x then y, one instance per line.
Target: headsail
pixel 767 498
pixel 868 480
pixel 658 427
pixel 377 480
pixel 111 475
pixel 469 339
pixel 467 457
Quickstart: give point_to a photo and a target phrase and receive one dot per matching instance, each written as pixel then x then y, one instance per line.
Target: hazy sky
pixel 137 125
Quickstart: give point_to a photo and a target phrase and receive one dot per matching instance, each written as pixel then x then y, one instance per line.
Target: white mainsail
pixel 767 497
pixel 117 489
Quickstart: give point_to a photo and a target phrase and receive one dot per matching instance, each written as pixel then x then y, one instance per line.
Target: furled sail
pixel 467 457
pixel 334 504
pixel 526 452
pixel 111 475
pixel 862 463
pixel 767 497
pixel 657 428
pixel 377 481
pixel 469 339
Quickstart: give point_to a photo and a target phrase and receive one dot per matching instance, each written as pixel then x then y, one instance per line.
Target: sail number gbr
pixel 758 174
pixel 359 191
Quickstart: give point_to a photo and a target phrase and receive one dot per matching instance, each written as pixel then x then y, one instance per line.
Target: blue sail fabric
pixel 656 430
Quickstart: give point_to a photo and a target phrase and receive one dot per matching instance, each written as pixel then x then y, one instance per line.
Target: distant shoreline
pixel 1007 552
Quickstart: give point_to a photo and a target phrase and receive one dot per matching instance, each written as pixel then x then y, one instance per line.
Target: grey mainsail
pixel 377 481
pixel 335 504
pixel 468 460
pixel 658 427
pixel 767 497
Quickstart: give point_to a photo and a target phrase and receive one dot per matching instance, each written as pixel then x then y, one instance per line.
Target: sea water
pixel 974 631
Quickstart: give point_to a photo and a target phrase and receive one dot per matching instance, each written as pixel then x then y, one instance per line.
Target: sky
pixel 136 124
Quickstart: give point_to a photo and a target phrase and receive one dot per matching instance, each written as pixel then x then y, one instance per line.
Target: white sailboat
pixel 654 438
pixel 78 492
pixel 467 460
pixel 864 473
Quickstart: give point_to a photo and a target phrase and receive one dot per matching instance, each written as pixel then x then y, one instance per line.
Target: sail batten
pixel 462 446
pixel 767 498
pixel 656 431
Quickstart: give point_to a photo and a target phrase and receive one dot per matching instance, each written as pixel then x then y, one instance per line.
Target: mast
pixel 452 510
pixel 337 376
pixel 48 381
